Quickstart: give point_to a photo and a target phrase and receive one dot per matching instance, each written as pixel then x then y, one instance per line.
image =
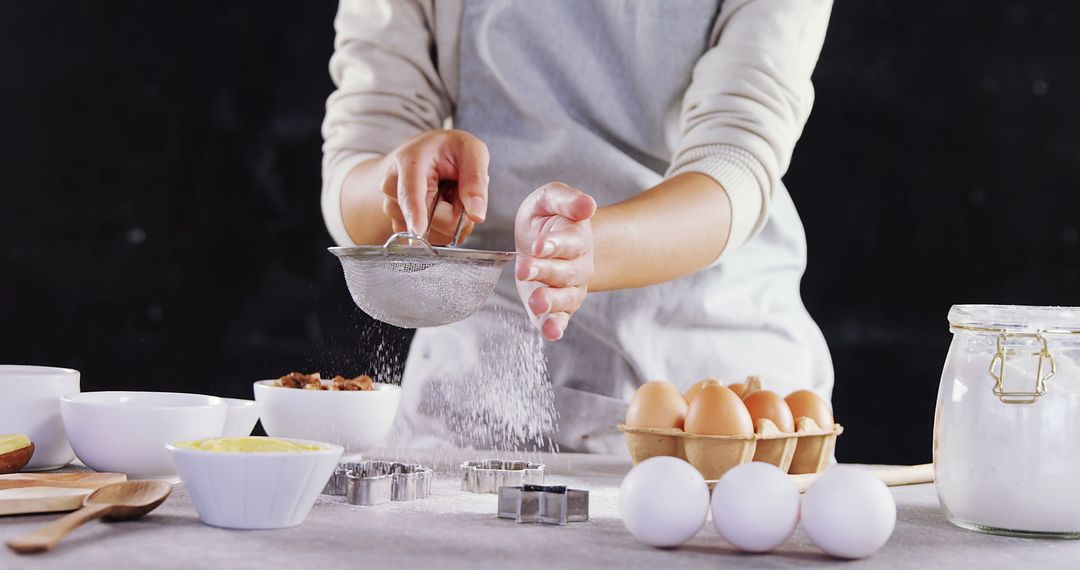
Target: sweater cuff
pixel 742 177
pixel 333 181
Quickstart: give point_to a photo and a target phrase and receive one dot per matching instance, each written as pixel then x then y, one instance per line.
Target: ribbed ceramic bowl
pixel 255 490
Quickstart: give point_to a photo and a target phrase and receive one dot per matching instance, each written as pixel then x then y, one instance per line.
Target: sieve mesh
pixel 420 290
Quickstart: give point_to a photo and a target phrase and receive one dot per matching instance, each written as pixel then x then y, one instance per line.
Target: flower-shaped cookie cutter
pixel 488 475
pixel 377 482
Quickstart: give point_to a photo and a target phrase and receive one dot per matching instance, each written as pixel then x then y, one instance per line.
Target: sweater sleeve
pixel 748 101
pixel 388 90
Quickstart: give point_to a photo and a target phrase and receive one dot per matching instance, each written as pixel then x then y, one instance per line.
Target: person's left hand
pixel 554 241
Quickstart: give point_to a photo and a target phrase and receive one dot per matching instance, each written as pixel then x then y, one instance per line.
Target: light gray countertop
pixel 454 529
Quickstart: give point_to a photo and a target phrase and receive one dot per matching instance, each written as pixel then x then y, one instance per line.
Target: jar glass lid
pixel 1015 318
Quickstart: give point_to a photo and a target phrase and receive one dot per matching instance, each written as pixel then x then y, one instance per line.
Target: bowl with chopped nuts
pixel 355 413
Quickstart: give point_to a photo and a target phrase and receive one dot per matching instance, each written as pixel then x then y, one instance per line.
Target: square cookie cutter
pixel 376 482
pixel 488 475
pixel 544 504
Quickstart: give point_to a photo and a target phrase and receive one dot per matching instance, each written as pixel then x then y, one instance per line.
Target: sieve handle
pixel 408 237
pixel 448 189
pixel 460 226
pixel 431 213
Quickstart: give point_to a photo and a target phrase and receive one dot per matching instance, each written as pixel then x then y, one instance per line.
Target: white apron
pixel 559 94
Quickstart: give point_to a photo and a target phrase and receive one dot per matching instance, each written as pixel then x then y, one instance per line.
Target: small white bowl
pixel 241 417
pixel 355 420
pixel 255 490
pixel 30 405
pixel 126 432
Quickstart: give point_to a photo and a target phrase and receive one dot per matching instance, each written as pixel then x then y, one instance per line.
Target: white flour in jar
pixel 1009 466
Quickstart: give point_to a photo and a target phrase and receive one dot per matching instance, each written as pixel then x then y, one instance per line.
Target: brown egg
pixel 738 388
pixel 716 410
pixel 764 404
pixel 657 404
pixel 806 404
pixel 697 387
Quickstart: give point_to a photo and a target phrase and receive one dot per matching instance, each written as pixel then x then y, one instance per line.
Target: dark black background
pixel 160 224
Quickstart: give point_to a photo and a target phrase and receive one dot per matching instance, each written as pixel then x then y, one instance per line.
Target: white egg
pixel 755 507
pixel 664 501
pixel 848 513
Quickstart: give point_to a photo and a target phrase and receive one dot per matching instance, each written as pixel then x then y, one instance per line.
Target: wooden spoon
pixel 117 502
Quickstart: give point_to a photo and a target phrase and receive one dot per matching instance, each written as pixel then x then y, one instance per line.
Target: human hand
pixel 412 183
pixel 554 241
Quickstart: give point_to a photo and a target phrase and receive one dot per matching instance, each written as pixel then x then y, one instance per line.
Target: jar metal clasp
pixel 997 369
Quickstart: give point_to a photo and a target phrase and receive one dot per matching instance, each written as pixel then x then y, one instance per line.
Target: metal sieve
pixel 409 283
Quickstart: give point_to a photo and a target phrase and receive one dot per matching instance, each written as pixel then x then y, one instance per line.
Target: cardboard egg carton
pixel 807 450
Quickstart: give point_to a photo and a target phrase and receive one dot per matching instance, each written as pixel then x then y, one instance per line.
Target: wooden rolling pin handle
pixel 908 475
pixel 891 476
pixel 50 535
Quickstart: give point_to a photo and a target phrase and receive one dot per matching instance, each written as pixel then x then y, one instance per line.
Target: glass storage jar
pixel 1007 424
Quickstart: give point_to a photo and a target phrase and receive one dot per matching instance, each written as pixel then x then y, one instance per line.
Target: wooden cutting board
pixel 22 493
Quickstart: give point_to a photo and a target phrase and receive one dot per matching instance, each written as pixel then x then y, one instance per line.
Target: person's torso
pixel 590 94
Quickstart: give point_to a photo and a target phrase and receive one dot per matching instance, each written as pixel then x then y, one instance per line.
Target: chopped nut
pixel 313 381
pixel 360 383
pixel 300 380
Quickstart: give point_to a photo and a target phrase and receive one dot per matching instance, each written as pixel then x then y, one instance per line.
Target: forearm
pixel 362 203
pixel 673 229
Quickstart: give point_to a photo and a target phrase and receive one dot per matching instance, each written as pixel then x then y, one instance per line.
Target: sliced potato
pixel 15 452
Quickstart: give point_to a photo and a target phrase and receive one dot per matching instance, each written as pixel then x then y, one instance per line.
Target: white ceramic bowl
pixel 257 489
pixel 30 405
pixel 126 432
pixel 356 420
pixel 241 417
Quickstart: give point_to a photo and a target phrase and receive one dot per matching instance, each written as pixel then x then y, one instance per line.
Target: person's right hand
pixel 412 182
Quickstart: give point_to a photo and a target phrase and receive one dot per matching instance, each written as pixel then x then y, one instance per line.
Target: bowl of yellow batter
pixel 254 482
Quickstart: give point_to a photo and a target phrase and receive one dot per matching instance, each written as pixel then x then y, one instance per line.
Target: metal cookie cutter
pixel 548 505
pixel 377 482
pixel 488 475
pixel 337 485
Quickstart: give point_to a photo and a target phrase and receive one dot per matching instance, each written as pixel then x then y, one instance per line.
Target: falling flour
pixel 508 403
pixel 485 386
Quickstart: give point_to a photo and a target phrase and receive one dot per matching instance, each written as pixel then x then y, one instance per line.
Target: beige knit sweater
pixel 395 66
